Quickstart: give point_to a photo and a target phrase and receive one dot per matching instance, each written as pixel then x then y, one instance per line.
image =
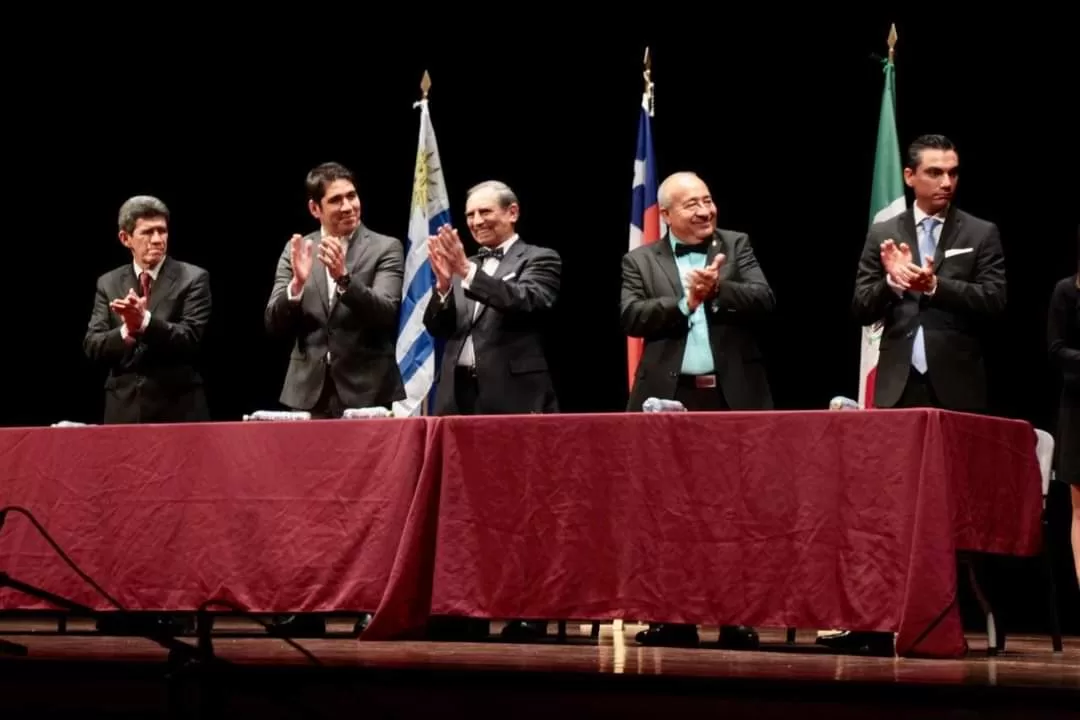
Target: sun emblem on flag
pixel 424 178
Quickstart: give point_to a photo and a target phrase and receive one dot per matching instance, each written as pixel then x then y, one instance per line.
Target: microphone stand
pixel 180 653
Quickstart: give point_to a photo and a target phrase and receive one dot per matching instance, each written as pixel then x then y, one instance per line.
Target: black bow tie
pixel 684 249
pixel 486 253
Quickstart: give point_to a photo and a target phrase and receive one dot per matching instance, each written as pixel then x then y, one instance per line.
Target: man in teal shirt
pixel 696 298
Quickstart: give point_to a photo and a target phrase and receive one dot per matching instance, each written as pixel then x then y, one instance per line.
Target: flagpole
pixel 640 216
pixel 648 99
pixel 425 87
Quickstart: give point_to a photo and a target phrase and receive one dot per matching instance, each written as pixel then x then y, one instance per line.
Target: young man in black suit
pixel 935 276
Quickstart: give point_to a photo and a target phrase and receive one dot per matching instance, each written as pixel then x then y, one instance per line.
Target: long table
pixel 791 519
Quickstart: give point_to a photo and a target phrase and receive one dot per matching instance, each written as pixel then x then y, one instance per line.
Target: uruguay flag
pixel 417 353
pixel 644 212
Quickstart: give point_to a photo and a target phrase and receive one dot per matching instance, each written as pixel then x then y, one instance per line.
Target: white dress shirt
pixel 467 358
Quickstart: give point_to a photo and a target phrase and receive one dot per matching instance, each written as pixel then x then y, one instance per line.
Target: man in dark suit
pixel 934 276
pixel 491 310
pixel 148 323
pixel 696 297
pixel 339 306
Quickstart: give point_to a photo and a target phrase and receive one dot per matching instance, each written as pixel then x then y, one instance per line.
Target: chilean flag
pixel 644 212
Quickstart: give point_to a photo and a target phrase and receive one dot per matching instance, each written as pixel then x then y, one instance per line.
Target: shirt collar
pixel 153 273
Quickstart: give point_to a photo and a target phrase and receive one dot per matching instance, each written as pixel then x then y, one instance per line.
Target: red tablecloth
pixel 811 519
pixel 806 519
pixel 271 517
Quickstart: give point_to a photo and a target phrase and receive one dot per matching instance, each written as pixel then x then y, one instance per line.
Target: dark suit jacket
pixel 1063 333
pixel 154 380
pixel 515 303
pixel 359 333
pixel 651 290
pixel 971 292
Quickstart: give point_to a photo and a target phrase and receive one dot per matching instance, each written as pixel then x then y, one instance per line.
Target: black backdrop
pixel 780 119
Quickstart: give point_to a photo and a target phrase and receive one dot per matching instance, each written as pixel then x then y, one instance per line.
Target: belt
pixel 698 381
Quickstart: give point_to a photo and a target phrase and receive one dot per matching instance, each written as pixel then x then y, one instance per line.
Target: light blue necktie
pixel 927 248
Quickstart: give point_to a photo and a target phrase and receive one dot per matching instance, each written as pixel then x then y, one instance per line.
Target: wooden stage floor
pixel 77 674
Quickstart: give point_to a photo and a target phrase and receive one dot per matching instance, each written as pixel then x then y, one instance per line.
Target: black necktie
pixel 486 253
pixel 684 249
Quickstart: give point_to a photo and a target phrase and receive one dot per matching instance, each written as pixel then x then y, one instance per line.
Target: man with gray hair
pixel 492 309
pixel 148 323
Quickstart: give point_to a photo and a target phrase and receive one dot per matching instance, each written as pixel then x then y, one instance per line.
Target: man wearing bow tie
pixel 148 323
pixel 492 310
pixel 696 296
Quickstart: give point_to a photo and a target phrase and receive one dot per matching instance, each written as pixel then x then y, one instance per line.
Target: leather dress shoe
pixel 524 630
pixel 739 637
pixel 668 635
pixel 861 642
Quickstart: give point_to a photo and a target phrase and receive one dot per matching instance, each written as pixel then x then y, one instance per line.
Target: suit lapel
pixel 511 262
pixel 318 274
pixel 355 248
pixel 163 287
pixel 716 247
pixel 949 232
pixel 666 259
pixel 906 235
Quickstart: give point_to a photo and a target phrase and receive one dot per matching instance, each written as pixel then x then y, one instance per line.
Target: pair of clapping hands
pixel 331 254
pixel 447 256
pixel 703 285
pixel 901 270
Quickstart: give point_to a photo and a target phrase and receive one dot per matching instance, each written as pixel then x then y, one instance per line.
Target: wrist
pixel 295 286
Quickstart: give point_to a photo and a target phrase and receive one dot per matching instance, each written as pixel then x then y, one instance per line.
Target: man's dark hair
pixel 926 142
pixel 321 176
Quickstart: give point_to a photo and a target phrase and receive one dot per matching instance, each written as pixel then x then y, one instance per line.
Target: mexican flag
pixel 886 201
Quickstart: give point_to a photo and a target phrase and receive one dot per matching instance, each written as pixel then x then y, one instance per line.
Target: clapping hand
pixel 131 308
pixel 704 284
pixel 332 255
pixel 447 256
pixel 901 269
pixel 300 254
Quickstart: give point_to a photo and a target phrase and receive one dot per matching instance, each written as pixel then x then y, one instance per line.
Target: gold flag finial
pixel 647 74
pixel 425 84
pixel 892 42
